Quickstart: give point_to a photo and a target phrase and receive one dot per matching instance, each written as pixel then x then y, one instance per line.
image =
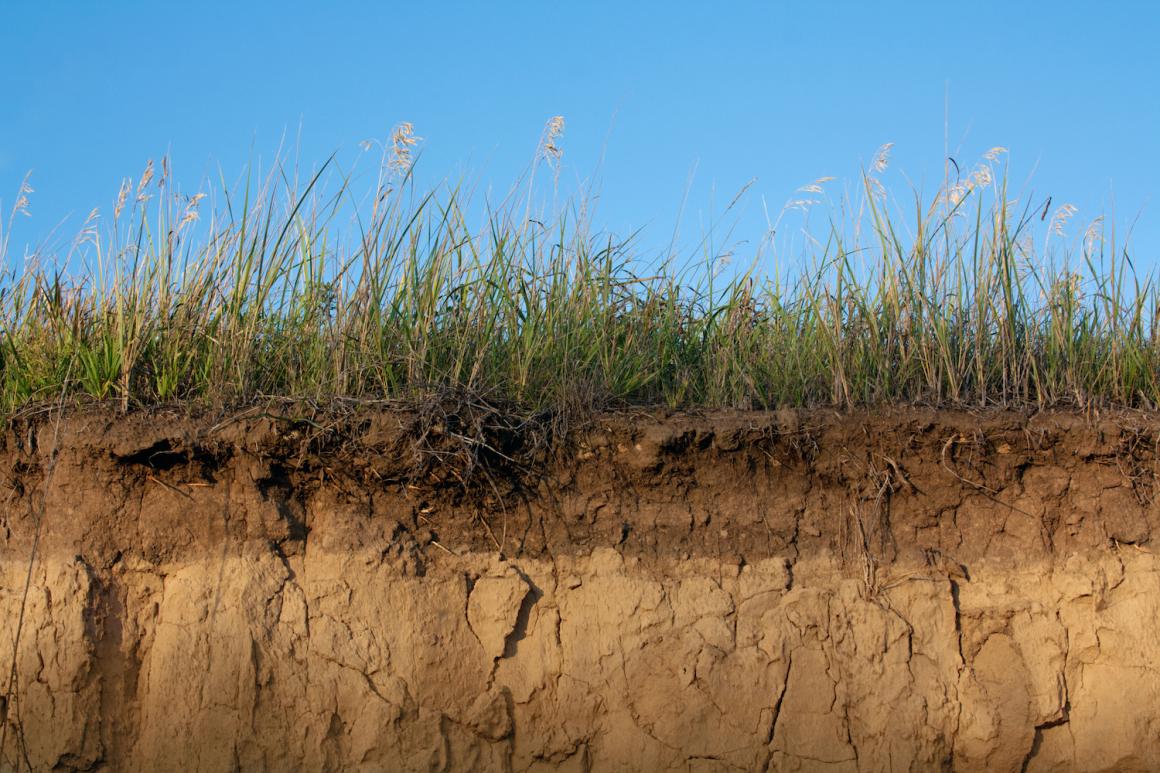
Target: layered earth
pixel 393 589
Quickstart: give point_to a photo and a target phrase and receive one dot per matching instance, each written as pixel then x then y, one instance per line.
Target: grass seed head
pixel 1094 234
pixel 122 195
pixel 22 200
pixel 190 213
pixel 815 186
pixel 146 176
pixel 1060 218
pixel 981 177
pixel 403 139
pixel 882 158
pixel 553 132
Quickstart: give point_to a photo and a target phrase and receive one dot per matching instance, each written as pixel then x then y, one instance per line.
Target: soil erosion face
pixel 904 590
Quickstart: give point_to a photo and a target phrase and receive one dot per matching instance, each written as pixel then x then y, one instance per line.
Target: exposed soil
pixel 403 589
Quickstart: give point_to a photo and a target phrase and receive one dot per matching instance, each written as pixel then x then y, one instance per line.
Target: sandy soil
pixel 903 590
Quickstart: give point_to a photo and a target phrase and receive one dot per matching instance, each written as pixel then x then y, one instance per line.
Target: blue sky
pixel 781 92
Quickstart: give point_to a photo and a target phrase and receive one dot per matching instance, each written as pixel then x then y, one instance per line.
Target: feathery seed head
pixel 981 177
pixel 1094 234
pixel 126 186
pixel 146 176
pixel 882 158
pixel 550 144
pixel 402 140
pixel 22 200
pixel 957 192
pixel 800 204
pixel 815 186
pixel 190 210
pixel 1060 218
pixel 88 231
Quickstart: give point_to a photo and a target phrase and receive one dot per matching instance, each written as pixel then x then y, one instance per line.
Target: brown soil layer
pixel 902 589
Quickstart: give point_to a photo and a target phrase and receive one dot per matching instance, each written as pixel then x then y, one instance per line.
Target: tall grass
pixel 965 298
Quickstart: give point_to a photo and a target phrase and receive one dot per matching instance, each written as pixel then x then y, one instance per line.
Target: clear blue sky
pixel 782 92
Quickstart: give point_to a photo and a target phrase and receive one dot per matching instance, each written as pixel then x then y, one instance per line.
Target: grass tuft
pixel 259 292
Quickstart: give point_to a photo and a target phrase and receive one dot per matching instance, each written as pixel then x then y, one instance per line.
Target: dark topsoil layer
pixel 877 487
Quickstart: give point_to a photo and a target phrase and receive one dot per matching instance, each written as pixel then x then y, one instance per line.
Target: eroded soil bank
pixel 904 590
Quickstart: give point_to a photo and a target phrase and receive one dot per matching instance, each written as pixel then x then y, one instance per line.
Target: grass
pixel 964 298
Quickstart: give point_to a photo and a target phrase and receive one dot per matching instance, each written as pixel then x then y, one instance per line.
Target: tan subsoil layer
pixel 905 589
